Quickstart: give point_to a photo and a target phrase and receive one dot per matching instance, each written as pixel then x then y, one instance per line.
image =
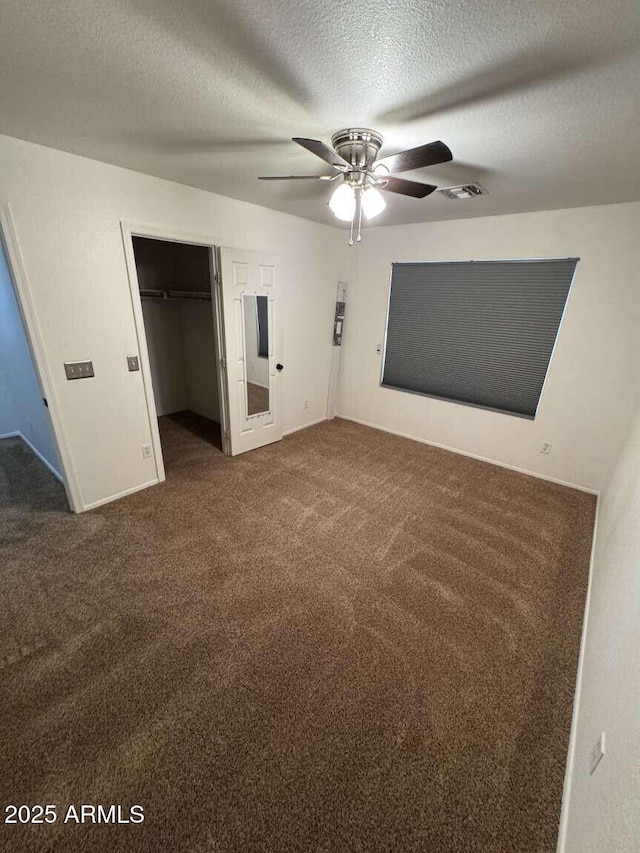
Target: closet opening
pixel 179 314
pixel 31 473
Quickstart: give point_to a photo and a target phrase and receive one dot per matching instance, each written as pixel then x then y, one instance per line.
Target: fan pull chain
pixel 359 237
pixel 351 232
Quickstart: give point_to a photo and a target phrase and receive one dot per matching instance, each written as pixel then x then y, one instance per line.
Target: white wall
pixel 200 359
pixel 592 385
pixel 21 406
pixel 67 212
pixel 603 813
pixel 8 419
pixel 182 356
pixel 165 344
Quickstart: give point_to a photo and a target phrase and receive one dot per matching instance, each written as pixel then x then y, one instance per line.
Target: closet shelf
pixel 174 294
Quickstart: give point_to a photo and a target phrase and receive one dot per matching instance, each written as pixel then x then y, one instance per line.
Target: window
pixel 478 332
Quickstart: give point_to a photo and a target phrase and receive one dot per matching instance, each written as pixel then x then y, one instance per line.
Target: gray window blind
pixel 480 333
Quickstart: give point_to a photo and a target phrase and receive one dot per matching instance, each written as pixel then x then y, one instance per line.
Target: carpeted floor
pixel 26 487
pixel 345 642
pixel 203 428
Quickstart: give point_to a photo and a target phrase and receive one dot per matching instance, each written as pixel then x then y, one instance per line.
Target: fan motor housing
pixel 359 146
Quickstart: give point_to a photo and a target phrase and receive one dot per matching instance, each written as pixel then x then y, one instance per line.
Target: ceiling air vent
pixel 463 191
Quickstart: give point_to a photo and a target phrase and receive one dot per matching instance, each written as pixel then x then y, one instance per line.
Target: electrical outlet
pixel 305 404
pixel 546 447
pixel 597 753
pixel 146 451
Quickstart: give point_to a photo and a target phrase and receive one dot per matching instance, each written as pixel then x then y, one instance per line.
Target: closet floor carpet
pixel 345 641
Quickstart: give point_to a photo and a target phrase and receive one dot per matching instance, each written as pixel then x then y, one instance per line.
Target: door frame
pixel 129 231
pixel 35 341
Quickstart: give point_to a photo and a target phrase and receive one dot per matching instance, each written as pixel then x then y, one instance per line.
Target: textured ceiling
pixel 539 100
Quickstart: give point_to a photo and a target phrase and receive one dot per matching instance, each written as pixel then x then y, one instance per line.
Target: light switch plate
pixel 133 363
pixel 78 369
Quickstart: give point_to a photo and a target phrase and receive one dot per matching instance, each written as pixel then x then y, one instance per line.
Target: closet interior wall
pixel 179 331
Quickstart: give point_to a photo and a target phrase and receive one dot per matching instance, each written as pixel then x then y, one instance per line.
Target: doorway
pixel 31 474
pixel 179 317
pixel 238 301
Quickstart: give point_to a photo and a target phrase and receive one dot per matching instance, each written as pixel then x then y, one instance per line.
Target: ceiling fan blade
pixel 404 187
pixel 295 178
pixel 321 150
pixel 416 158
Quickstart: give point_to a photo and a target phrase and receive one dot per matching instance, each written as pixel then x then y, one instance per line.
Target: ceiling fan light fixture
pixel 373 202
pixel 343 202
pixel 355 156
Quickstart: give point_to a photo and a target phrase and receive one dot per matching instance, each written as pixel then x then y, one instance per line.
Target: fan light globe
pixel 372 202
pixel 343 202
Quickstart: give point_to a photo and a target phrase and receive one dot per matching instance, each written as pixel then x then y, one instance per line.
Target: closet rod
pixel 174 294
pixel 189 294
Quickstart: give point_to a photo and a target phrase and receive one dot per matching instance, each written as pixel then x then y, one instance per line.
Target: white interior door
pixel 251 345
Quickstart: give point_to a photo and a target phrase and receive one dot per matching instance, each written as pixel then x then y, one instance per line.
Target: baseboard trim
pixel 35 451
pixel 304 426
pixel 133 490
pixel 573 737
pixel 472 455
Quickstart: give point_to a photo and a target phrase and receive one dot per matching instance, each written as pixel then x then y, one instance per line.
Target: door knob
pixel 279 367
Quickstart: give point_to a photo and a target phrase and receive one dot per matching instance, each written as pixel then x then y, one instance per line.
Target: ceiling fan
pixel 354 156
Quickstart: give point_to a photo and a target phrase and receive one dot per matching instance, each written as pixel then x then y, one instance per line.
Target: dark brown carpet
pixel 25 484
pixel 345 641
pixel 201 427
